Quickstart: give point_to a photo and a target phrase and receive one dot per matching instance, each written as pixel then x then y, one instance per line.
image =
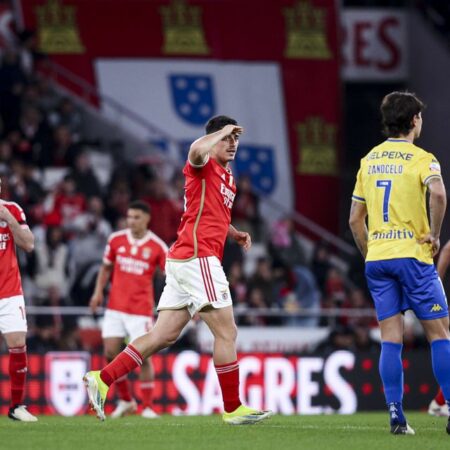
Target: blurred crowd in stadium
pixel 48 167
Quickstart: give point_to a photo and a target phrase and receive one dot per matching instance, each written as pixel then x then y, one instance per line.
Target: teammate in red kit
pixel 195 280
pixel 13 323
pixel 131 256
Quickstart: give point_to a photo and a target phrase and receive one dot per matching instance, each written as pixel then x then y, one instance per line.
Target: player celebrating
pixel 400 243
pixel 131 256
pixel 195 278
pixel 13 323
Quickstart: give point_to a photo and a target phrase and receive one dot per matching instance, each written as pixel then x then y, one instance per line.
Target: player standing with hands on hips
pixel 13 323
pixel 195 280
pixel 399 245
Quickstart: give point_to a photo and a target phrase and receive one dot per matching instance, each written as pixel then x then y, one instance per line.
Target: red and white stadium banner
pixel 186 383
pixel 286 93
pixel 375 44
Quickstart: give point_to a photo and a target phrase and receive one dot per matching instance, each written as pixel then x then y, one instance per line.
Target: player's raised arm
pixel 357 222
pixel 200 148
pixel 23 237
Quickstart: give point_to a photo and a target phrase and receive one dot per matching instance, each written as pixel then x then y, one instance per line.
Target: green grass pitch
pixel 363 431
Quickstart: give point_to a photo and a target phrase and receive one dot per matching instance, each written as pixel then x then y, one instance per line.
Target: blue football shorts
pixel 400 284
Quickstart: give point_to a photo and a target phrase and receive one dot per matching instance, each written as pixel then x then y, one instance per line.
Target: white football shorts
pixel 12 314
pixel 194 285
pixel 120 324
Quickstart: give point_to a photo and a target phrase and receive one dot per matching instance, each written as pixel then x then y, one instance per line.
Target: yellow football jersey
pixel 392 183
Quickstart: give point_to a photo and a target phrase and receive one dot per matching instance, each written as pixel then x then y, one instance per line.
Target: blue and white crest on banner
pixel 193 97
pixel 258 163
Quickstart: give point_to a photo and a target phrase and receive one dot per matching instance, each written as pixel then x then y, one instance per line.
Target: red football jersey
pixel 10 282
pixel 134 263
pixel 209 197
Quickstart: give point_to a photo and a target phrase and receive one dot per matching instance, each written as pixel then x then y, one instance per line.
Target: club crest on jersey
pixel 3 224
pixel 146 252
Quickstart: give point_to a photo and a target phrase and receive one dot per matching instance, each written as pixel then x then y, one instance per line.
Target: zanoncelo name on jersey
pixel 228 195
pixel 4 238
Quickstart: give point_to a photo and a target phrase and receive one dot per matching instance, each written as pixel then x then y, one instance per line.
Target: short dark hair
pixel 139 204
pixel 218 122
pixel 397 111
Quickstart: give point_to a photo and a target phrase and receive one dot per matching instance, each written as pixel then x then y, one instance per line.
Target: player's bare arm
pixel 103 277
pixel 357 222
pixel 444 260
pixel 241 237
pixel 437 206
pixel 202 146
pixel 23 237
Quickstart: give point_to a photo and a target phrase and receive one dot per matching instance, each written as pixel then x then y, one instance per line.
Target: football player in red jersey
pixel 195 280
pixel 131 258
pixel 13 323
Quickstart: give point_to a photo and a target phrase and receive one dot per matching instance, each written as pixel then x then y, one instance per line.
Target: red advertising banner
pixel 186 383
pixel 300 36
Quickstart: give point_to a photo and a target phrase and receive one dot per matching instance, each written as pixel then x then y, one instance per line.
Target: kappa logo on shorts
pixel 436 308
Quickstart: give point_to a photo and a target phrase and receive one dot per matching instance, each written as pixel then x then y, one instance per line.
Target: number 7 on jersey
pixel 386 185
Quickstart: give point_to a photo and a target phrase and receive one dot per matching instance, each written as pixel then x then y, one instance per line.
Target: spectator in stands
pixel 263 280
pixel 62 151
pixel 12 83
pixel 335 293
pixel 5 155
pixel 357 300
pixel 67 204
pixel 305 297
pixel 92 220
pixel 165 214
pixel 67 115
pixel 35 131
pixel 246 208
pixel 118 199
pixel 320 264
pixel 86 181
pixel 51 258
pixel 285 247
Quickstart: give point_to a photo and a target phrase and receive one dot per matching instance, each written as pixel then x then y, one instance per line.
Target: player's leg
pixel 137 326
pixel 427 298
pixel 222 325
pixel 147 384
pixel 126 404
pixel 13 325
pixel 438 406
pixel 168 327
pixel 387 294
pixel 438 335
pixel 114 332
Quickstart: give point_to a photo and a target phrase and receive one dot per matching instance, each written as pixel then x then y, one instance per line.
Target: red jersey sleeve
pixel 162 258
pixel 109 255
pixel 19 215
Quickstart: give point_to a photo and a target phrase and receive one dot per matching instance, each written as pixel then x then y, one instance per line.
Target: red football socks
pixel 440 400
pixel 147 393
pixel 17 373
pixel 123 388
pixel 121 365
pixel 229 383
